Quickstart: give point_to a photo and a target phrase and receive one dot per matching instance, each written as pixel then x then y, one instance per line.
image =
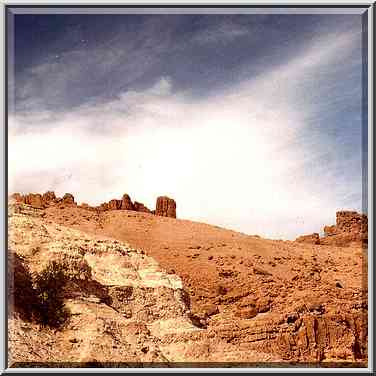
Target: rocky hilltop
pixel 350 228
pixel 165 206
pixel 144 289
pixel 124 309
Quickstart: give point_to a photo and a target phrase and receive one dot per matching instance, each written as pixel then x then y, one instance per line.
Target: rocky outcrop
pixel 49 197
pixel 122 306
pixel 351 221
pixel 114 204
pixel 311 239
pixel 330 230
pixel 21 208
pixel 17 197
pixel 40 201
pixel 34 199
pixel 140 207
pixel 103 206
pixel 68 199
pixel 281 303
pixel 351 227
pixel 165 207
pixel 126 203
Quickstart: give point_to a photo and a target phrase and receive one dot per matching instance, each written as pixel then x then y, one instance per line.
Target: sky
pixel 251 122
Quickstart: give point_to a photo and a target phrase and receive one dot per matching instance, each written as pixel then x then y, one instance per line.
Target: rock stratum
pixel 149 290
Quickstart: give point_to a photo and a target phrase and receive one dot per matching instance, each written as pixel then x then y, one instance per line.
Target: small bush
pixel 48 286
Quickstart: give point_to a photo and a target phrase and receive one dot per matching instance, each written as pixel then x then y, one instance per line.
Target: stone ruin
pixel 350 228
pixel 165 206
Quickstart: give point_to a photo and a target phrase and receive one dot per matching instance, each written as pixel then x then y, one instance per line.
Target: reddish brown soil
pixel 291 301
pixel 220 266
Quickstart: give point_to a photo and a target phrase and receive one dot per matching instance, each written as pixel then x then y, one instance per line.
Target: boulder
pixel 263 304
pixel 165 207
pixel 246 313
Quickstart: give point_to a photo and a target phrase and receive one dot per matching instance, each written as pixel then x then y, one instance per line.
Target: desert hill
pixel 250 299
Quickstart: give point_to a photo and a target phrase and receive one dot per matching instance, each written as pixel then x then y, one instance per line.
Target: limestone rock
pixel 165 207
pixel 122 306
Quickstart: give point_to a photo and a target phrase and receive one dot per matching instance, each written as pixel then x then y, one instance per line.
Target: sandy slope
pixel 125 310
pixel 308 300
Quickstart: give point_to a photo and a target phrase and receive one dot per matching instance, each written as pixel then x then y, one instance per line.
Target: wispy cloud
pixel 222 33
pixel 253 157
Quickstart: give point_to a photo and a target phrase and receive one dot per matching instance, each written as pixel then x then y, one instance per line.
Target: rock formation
pixel 122 306
pixel 49 197
pixel 165 207
pixel 126 203
pixel 350 227
pixel 17 197
pixel 34 199
pixel 140 207
pixel 68 199
pixel 114 204
pixel 250 299
pixel 312 238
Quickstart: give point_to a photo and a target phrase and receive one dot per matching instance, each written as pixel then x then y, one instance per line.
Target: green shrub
pixel 48 286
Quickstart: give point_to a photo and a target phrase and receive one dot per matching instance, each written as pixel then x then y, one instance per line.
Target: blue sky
pixel 252 122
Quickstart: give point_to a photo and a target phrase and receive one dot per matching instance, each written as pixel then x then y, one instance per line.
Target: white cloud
pixel 223 33
pixel 227 160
